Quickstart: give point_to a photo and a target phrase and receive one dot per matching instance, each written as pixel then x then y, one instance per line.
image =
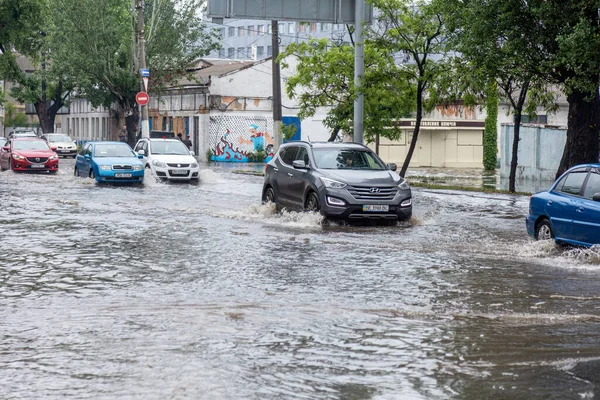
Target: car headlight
pixel 403 185
pixel 18 157
pixel 159 164
pixel 54 157
pixel 105 167
pixel 330 183
pixel 194 165
pixel 138 167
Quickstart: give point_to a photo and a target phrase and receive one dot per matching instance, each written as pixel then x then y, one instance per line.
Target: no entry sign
pixel 142 98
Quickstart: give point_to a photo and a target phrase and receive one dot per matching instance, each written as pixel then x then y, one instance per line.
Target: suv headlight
pixel 159 164
pixel 403 185
pixel 330 183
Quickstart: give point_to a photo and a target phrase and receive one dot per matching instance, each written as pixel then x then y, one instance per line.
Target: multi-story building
pixel 252 40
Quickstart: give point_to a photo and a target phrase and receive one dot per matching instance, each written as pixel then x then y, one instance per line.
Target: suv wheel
pixel 269 196
pixel 312 202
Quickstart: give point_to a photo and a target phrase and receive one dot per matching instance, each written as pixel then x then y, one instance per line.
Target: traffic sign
pixel 142 98
pixel 145 72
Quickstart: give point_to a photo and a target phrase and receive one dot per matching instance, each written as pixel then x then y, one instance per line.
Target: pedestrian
pixel 123 134
pixel 188 141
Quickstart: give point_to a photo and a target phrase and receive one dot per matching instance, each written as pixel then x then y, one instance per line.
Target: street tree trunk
pixel 413 142
pixel 132 117
pixel 583 131
pixel 47 110
pixel 518 113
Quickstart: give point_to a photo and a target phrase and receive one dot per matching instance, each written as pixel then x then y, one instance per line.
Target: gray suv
pixel 340 180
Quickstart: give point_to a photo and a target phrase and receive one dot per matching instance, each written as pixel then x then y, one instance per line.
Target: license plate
pixel 370 207
pixel 179 172
pixel 64 151
pixel 122 175
pixel 38 166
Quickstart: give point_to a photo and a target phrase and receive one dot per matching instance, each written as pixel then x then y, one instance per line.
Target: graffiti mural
pixel 235 138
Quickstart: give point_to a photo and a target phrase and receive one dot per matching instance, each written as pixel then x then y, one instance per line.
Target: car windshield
pixel 171 147
pixel 59 138
pixel 340 158
pixel 24 134
pixel 30 145
pixel 113 150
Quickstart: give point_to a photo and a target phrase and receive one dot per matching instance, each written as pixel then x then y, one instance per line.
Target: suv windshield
pixel 113 150
pixel 341 158
pixel 171 147
pixel 59 138
pixel 30 145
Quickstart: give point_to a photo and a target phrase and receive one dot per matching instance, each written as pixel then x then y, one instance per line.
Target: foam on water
pixel 267 213
pixel 566 256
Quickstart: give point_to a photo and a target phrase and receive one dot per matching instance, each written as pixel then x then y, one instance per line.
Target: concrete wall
pixel 539 155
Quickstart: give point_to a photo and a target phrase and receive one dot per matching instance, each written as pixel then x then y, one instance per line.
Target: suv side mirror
pixel 596 197
pixel 392 166
pixel 299 164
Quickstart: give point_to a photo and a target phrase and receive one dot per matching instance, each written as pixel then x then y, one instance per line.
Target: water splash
pixel 268 214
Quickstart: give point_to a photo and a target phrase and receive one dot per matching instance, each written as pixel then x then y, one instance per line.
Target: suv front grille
pixel 122 167
pixel 373 193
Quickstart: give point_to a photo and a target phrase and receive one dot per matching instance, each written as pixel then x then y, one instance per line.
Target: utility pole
pixel 142 52
pixel 277 140
pixel 359 70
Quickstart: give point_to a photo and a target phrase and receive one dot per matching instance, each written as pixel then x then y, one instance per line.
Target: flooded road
pixel 176 291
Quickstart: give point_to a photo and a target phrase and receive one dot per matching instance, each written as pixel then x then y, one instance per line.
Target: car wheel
pixel 269 196
pixel 92 175
pixel 312 202
pixel 76 172
pixel 543 230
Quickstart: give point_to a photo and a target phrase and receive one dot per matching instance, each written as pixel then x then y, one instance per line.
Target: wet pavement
pixel 177 291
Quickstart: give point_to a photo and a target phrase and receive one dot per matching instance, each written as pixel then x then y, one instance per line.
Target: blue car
pixel 568 212
pixel 111 162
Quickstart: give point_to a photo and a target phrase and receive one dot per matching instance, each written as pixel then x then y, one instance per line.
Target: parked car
pixel 339 180
pixel 111 162
pixel 65 146
pixel 22 134
pixel 568 212
pixel 28 154
pixel 168 159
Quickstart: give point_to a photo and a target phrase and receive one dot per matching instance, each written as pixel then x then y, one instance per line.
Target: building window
pixel 222 32
pixel 164 124
pixel 292 28
pixel 240 52
pixel 221 53
pixel 231 31
pixel 261 29
pixel 269 51
pixel 269 28
pixel 240 31
pixel 251 30
pixel 259 51
pixel 325 27
pixel 302 27
pixel 281 28
pixel 230 52
pixel 313 26
pixel 249 52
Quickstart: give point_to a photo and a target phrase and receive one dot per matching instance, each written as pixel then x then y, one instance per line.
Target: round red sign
pixel 142 98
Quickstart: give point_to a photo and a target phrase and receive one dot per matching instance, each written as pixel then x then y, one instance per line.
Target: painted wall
pixel 539 155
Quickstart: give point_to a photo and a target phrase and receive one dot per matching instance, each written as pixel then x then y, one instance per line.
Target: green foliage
pixel 257 156
pixel 288 131
pixel 12 117
pixel 490 137
pixel 209 155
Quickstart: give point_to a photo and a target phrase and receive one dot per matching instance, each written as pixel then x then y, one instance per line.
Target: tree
pixel 414 29
pixel 24 31
pixel 12 117
pixel 325 78
pixel 490 137
pixel 99 51
pixel 542 43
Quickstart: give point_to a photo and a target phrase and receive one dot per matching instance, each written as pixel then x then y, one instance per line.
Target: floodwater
pixel 177 291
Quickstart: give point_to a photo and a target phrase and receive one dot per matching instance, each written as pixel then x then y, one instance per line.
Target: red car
pixel 24 154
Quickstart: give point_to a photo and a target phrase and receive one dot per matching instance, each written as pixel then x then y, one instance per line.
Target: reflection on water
pixel 200 292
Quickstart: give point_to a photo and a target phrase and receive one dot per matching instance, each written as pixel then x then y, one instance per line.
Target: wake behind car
pixel 28 154
pixel 168 159
pixel 568 212
pixel 339 180
pixel 109 162
pixel 65 146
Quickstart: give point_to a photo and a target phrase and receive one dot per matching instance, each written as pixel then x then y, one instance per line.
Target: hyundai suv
pixel 339 180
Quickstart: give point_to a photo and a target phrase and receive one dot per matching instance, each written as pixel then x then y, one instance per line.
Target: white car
pixel 168 159
pixel 65 146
